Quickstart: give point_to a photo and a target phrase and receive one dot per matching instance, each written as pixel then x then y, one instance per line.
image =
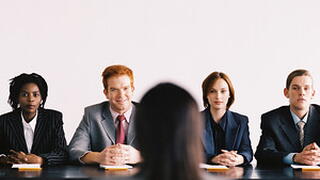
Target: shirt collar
pixel 33 121
pixel 115 114
pixel 222 123
pixel 296 119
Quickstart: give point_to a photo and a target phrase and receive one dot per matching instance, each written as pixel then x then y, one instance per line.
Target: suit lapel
pixel 131 128
pixel 208 139
pixel 108 123
pixel 310 132
pixel 17 127
pixel 39 130
pixel 288 127
pixel 232 128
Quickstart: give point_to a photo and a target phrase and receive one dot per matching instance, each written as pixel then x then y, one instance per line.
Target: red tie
pixel 120 130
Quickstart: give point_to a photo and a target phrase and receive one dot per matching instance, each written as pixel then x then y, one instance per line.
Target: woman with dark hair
pixel 226 133
pixel 30 133
pixel 168 126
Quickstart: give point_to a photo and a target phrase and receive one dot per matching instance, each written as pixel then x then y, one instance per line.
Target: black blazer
pixel 48 142
pixel 236 136
pixel 280 136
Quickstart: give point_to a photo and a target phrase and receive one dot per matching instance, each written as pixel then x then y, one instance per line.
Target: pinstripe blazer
pixel 48 141
pixel 97 131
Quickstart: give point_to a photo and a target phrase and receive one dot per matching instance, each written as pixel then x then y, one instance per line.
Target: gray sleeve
pixel 80 143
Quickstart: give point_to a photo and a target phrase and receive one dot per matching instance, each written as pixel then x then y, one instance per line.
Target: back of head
pixel 168 127
pixel 18 82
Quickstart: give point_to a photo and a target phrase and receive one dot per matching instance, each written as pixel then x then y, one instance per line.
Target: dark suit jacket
pixel 280 136
pixel 236 136
pixel 48 142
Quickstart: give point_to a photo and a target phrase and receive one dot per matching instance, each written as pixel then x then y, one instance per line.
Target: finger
pixel 224 151
pixel 14 159
pixel 13 151
pixel 316 146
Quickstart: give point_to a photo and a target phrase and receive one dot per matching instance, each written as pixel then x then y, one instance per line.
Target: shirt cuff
pixel 288 159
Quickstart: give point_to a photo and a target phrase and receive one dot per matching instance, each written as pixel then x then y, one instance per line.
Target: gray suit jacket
pixel 97 131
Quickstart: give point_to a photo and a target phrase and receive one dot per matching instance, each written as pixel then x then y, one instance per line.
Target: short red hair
pixel 116 70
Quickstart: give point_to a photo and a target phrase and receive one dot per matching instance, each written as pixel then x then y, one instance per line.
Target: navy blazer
pixel 281 137
pixel 236 135
pixel 49 141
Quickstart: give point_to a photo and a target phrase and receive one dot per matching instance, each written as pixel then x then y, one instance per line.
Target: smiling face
pixel 218 95
pixel 300 93
pixel 29 99
pixel 119 92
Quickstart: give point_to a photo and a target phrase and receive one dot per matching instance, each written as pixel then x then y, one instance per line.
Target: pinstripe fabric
pixel 48 142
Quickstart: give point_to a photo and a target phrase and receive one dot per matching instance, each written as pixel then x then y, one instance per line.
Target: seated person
pixel 106 133
pixel 226 133
pixel 289 133
pixel 30 133
pixel 168 127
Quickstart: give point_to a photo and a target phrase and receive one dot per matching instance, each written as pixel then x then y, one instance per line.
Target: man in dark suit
pixel 290 133
pixel 30 133
pixel 106 133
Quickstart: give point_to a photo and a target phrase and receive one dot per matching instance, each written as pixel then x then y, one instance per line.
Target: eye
pixel 24 94
pixel 36 94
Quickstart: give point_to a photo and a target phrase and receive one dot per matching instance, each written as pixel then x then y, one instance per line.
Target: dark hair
pixel 295 73
pixel 116 70
pixel 168 127
pixel 210 80
pixel 18 82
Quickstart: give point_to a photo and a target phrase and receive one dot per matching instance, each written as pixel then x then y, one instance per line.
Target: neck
pixel 28 116
pixel 299 112
pixel 217 114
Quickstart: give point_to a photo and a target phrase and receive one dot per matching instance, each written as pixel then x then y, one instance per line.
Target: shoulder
pixel 315 107
pixel 238 116
pixel 8 115
pixel 275 112
pixel 50 112
pixel 97 107
pixel 206 114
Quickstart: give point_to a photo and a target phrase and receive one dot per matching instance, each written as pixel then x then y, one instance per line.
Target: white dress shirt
pixel 28 129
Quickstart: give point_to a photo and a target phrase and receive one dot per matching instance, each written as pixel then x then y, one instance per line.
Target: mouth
pixel 301 100
pixel 218 102
pixel 30 106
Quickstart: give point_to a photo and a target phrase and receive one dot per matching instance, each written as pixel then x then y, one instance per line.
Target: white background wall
pixel 69 42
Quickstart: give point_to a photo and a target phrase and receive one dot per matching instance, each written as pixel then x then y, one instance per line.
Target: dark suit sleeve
pixel 267 152
pixel 245 148
pixel 58 155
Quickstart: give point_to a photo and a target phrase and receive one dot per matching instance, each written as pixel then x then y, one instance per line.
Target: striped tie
pixel 301 131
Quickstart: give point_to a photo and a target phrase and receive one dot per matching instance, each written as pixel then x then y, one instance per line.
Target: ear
pixel 105 92
pixel 313 93
pixel 285 92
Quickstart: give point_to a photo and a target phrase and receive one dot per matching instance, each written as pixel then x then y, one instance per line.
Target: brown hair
pixel 167 114
pixel 116 70
pixel 295 73
pixel 209 81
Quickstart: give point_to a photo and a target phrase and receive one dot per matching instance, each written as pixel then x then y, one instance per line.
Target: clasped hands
pixel 21 158
pixel 310 155
pixel 119 154
pixel 228 158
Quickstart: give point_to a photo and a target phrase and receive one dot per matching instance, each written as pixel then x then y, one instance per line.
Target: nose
pixel 302 91
pixel 30 98
pixel 218 94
